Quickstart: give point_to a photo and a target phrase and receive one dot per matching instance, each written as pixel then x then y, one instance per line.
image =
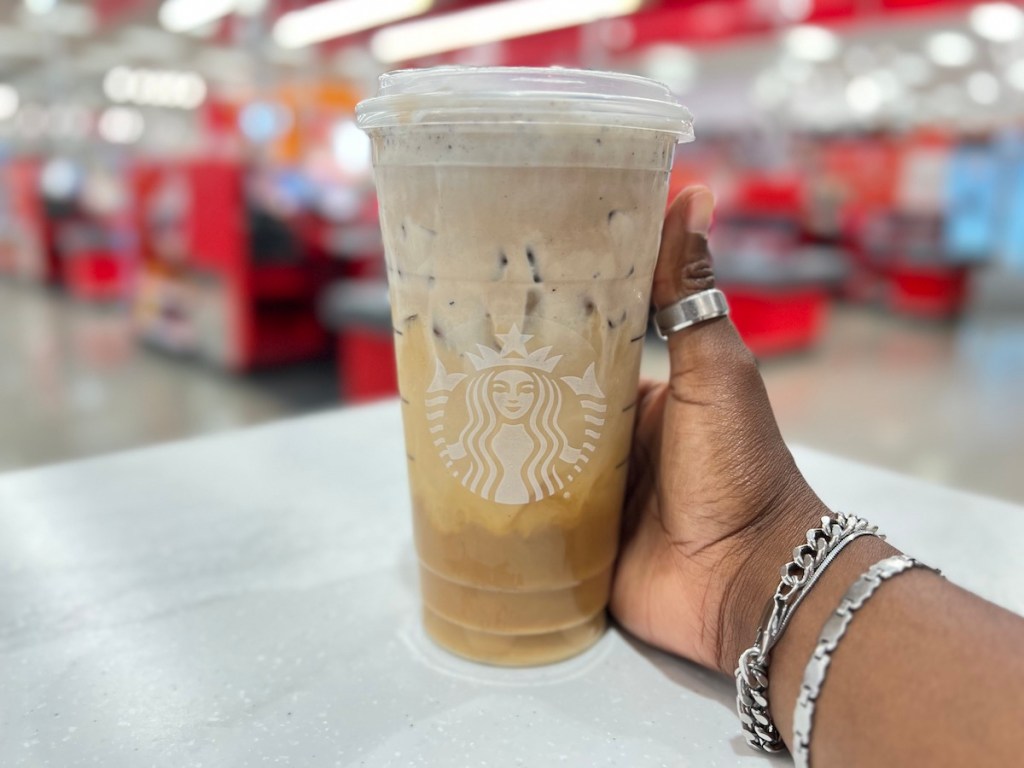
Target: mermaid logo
pixel 513 447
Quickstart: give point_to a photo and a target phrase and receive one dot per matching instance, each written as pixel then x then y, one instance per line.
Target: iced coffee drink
pixel 521 213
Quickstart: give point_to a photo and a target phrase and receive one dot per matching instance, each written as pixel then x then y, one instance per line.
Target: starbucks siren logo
pixel 513 447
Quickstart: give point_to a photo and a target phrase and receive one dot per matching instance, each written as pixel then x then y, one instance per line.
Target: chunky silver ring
pixel 706 305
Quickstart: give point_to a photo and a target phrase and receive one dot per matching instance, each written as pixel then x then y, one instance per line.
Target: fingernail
pixel 699 213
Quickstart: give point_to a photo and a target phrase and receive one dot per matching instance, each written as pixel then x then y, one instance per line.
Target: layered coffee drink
pixel 520 254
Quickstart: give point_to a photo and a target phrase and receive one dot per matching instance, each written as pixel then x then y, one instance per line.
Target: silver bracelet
pixel 831 633
pixel 798 576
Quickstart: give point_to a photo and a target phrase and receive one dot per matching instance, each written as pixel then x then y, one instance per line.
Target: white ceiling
pixel 879 75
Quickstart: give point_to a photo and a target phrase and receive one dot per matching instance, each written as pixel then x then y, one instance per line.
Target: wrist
pixel 767 544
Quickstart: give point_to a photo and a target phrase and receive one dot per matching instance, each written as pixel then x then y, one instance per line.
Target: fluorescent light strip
pixel 490 24
pixel 185 15
pixel 337 18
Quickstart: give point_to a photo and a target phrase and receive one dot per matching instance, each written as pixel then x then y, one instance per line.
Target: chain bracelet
pixel 797 577
pixel 831 633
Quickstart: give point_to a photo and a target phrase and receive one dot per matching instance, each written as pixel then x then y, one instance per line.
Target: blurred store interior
pixel 189 238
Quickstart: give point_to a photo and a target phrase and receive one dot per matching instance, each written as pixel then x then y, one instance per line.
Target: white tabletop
pixel 250 599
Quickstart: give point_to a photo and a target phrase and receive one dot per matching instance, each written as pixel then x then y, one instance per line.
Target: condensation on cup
pixel 521 212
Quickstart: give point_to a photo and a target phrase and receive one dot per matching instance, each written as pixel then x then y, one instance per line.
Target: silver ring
pixel 706 305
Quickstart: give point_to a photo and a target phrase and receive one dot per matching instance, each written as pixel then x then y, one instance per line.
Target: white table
pixel 250 599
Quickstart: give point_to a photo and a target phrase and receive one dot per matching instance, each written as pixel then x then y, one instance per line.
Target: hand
pixel 715 503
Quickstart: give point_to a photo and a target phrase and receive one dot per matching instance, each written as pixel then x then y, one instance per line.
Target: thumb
pixel 684 268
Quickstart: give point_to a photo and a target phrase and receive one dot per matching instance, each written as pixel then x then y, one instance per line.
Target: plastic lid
pixel 550 95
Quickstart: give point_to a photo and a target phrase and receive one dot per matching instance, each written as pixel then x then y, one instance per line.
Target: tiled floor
pixel 944 402
pixel 73 383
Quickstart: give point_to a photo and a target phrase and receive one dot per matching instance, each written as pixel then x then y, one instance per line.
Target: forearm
pixel 926 674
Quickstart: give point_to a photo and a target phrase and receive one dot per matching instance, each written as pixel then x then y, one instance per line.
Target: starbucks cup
pixel 521 211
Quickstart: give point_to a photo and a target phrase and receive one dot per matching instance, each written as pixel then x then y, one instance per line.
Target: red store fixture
pixel 202 287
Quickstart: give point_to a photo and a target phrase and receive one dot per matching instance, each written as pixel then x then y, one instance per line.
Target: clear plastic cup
pixel 521 211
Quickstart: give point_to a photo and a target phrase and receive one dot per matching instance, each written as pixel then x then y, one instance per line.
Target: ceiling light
pixel 337 18
pixel 950 49
pixel 40 7
pixel 983 87
pixel 155 88
pixel 121 125
pixel 489 24
pixel 811 43
pixel 998 22
pixel 183 15
pixel 8 101
pixel 671 64
pixel 864 96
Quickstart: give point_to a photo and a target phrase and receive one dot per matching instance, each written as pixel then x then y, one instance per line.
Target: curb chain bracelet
pixel 810 559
